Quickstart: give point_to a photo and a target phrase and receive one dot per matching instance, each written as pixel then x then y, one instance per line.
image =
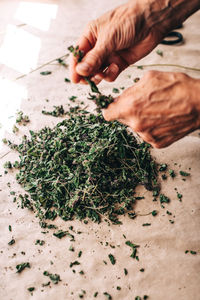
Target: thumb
pixel 92 61
pixel 113 112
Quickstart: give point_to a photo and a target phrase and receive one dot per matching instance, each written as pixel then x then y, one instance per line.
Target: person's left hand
pixel 162 107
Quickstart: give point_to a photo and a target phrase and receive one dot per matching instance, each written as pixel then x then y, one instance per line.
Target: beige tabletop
pixel 32 34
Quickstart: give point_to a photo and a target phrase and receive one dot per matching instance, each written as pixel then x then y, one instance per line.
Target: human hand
pixel 162 107
pixel 123 36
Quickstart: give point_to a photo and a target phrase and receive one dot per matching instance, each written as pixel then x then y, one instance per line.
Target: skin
pixel 120 38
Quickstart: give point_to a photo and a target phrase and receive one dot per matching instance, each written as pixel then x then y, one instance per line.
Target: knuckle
pixel 150 74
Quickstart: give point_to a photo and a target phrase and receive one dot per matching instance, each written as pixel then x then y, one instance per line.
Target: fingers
pixel 92 61
pixel 112 112
pixel 84 45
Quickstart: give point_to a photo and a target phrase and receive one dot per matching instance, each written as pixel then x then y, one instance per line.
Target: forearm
pixel 166 14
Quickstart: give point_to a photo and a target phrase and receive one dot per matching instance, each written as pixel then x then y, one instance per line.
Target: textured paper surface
pixel 169 273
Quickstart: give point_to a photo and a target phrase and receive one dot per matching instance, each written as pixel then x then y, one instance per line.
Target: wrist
pixel 165 15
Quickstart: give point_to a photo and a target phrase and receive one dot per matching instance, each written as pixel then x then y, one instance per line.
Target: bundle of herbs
pixel 82 168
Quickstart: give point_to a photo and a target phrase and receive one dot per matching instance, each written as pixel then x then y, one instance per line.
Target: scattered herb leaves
pixel 112 259
pixel 22 266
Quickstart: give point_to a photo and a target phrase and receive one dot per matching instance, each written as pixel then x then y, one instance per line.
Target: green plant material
pixel 140 67
pixel 21 118
pixel 169 213
pixel 193 252
pixel 163 167
pixel 159 52
pixel 164 199
pixel 134 249
pixel 125 271
pixel 22 266
pixel 7 165
pixel 93 86
pixel 142 270
pixel 25 202
pixel 75 263
pixel 57 112
pixel 55 278
pixel 95 294
pixel 155 193
pixel 115 90
pixel 73 98
pixel 112 259
pixel 76 52
pixel 81 272
pixel 179 196
pixel 80 253
pixel 46 284
pixel 183 173
pixel 154 213
pixel 10 228
pixel 84 168
pixel 40 242
pixel 118 288
pixel 62 62
pixel 146 224
pixel 132 215
pixel 101 101
pixel 45 73
pixel 60 234
pixel 172 173
pixel 136 79
pixel 71 248
pixel 164 176
pixel 109 297
pixel 4 140
pixel 52 226
pixel 11 242
pixel 15 129
pixel 67 80
pixel 171 221
pixel 138 298
pixel 31 289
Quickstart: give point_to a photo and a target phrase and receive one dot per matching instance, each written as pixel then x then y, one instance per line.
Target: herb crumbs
pixel 112 259
pixel 75 263
pixel 22 266
pixel 109 297
pixel 11 242
pixel 125 271
pixel 183 173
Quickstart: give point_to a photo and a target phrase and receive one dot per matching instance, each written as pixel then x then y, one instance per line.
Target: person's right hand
pixel 123 36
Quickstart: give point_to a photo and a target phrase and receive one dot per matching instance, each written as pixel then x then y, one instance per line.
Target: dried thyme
pixel 112 259
pixel 57 112
pixel 55 278
pixel 22 266
pixel 83 168
pixel 11 242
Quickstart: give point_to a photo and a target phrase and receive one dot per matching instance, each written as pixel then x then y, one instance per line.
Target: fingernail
pixel 83 67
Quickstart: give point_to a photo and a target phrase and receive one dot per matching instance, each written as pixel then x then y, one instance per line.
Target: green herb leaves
pixel 134 248
pixel 112 259
pixel 84 168
pixel 22 266
pixel 55 278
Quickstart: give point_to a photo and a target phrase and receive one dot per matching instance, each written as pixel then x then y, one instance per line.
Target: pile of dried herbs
pixel 84 167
